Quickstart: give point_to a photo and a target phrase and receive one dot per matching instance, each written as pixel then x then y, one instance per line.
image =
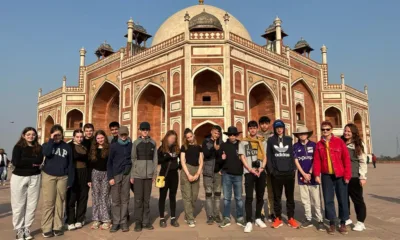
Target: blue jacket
pixel 119 160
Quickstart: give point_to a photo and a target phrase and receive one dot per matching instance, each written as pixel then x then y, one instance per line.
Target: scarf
pixel 123 143
pixel 256 143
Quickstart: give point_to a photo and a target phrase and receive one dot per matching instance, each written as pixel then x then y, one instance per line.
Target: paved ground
pixel 382 196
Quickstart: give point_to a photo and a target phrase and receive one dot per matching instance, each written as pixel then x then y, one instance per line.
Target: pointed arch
pixel 261 100
pixel 74 119
pixel 48 124
pixel 207 87
pixel 357 120
pixel 334 115
pixel 202 130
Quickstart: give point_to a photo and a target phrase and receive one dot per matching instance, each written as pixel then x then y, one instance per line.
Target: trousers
pixel 171 185
pixel 77 197
pixel 212 187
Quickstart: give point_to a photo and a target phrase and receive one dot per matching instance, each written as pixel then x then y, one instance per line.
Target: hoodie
pixel 119 159
pixel 144 158
pixel 212 158
pixel 280 153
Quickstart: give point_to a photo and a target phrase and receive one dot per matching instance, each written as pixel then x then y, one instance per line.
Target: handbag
pixel 160 180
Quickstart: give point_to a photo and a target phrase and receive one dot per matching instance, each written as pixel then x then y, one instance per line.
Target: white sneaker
pixel 260 223
pixel 78 225
pixel 248 228
pixel 359 227
pixel 349 222
pixel 71 227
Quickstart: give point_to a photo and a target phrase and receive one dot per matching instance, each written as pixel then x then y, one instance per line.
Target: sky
pixel 40 42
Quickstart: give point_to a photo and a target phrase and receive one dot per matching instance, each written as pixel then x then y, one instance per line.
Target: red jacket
pixel 340 158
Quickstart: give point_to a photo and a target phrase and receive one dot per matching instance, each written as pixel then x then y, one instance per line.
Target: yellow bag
pixel 160 181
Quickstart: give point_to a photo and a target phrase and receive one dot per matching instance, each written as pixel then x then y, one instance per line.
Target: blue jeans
pixel 332 185
pixel 235 181
pixel 3 173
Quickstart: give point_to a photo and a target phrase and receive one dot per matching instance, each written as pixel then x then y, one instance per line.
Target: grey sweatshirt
pixel 144 158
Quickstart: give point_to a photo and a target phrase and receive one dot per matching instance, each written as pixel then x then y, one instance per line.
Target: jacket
pixel 232 164
pixel 119 161
pixel 165 159
pixel 212 158
pixel 359 166
pixel 340 158
pixel 144 158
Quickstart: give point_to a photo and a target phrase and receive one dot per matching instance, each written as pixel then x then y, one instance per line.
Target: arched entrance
pixel 105 107
pixel 358 123
pixel 334 116
pixel 261 103
pixel 299 115
pixel 207 88
pixel 202 132
pixel 74 119
pixel 151 108
pixel 48 123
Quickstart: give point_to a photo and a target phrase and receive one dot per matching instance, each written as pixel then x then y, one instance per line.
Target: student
pixel 118 173
pixel 192 165
pixel 3 167
pixel 252 153
pixel 266 132
pixel 232 177
pixel 25 182
pixel 282 168
pixel 303 152
pixel 359 170
pixel 144 172
pixel 332 168
pixel 97 180
pixel 212 179
pixel 88 130
pixel 77 195
pixel 114 127
pixel 168 154
pixel 58 174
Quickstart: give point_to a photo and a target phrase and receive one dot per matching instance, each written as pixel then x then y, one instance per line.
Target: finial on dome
pixel 226 17
pixel 201 2
pixel 130 20
pixel 187 16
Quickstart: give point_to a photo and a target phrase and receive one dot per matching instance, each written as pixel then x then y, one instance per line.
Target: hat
pixel 123 130
pixel 232 131
pixel 279 123
pixel 144 125
pixel 302 130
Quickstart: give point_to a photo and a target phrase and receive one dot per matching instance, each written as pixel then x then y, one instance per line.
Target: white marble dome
pixel 176 24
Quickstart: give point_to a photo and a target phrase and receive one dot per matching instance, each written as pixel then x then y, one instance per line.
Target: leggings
pixel 171 184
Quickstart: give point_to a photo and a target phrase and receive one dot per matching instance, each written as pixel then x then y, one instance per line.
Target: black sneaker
pixel 124 227
pixel 58 233
pixel 306 224
pixel 321 226
pixel 148 226
pixel 210 220
pixel 163 223
pixel 115 228
pixel 225 223
pixel 217 219
pixel 174 222
pixel 138 227
pixel 271 218
pixel 48 234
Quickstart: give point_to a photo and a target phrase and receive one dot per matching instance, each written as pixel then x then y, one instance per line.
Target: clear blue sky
pixel 40 42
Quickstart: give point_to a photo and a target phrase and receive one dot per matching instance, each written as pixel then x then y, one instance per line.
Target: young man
pixel 282 168
pixel 232 171
pixel 303 152
pixel 212 178
pixel 88 130
pixel 114 127
pixel 332 168
pixel 118 172
pixel 252 154
pixel 266 132
pixel 144 172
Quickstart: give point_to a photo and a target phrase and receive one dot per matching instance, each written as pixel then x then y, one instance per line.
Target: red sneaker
pixel 292 223
pixel 277 223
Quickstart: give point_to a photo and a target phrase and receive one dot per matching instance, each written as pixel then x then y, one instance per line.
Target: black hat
pixel 232 131
pixel 144 125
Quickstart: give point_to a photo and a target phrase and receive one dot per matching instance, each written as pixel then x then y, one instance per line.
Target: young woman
pixel 358 173
pixel 58 174
pixel 25 181
pixel 192 164
pixel 97 180
pixel 77 195
pixel 168 154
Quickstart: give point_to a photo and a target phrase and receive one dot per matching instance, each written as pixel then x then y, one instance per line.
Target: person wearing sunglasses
pixel 332 169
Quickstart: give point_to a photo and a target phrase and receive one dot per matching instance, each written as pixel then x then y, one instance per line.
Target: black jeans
pixel 278 182
pixel 77 197
pixel 252 183
pixel 171 184
pixel 142 200
pixel 332 185
pixel 356 195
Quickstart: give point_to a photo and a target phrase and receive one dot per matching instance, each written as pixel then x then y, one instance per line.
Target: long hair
pixel 164 142
pixel 23 143
pixel 95 145
pixel 356 139
pixel 185 141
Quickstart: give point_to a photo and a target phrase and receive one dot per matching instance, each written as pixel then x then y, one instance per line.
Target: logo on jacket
pixel 282 150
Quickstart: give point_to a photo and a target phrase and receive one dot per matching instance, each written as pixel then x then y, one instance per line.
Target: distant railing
pixel 100 63
pixel 207 35
pixel 305 60
pixel 207 103
pixel 334 86
pixel 74 89
pixel 51 94
pixel 356 92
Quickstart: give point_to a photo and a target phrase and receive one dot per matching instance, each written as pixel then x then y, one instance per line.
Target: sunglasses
pixel 232 135
pixel 145 129
pixel 325 129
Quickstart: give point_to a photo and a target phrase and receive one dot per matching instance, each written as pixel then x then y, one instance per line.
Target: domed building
pixel 203 69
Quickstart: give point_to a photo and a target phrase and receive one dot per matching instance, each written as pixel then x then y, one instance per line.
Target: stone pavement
pixel 382 196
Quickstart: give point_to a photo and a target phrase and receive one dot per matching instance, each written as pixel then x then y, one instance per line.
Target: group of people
pixel 113 166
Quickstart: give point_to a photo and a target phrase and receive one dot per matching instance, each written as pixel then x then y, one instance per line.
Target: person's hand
pixel 223 155
pixel 190 178
pixel 196 176
pixel 307 177
pixel 346 181
pixel 318 180
pixel 254 172
pixel 363 182
pixel 53 134
pixel 220 173
pixel 89 184
pixel 216 146
pixel 132 181
pixel 111 182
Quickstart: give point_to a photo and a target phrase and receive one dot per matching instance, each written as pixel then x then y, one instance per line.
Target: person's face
pixel 347 133
pixel 1 151
pixel 171 139
pixel 29 136
pixel 144 132
pixel 88 132
pixel 303 137
pixel 253 131
pixel 279 130
pixel 57 136
pixel 100 139
pixel 123 136
pixel 264 126
pixel 114 131
pixel 189 137
pixel 215 134
pixel 232 138
pixel 78 138
pixel 326 130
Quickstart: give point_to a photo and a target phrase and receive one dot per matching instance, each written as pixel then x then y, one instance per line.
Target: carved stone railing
pixel 324 68
pixel 262 50
pixel 305 60
pixel 154 49
pixel 74 89
pixel 207 35
pixel 356 92
pixel 334 86
pixel 113 57
pixel 50 94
